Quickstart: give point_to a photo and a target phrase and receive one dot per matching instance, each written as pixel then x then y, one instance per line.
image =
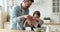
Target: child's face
pixel 36 17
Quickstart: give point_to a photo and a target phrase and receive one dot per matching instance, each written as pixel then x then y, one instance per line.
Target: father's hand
pixel 29 17
pixel 22 17
pixel 25 16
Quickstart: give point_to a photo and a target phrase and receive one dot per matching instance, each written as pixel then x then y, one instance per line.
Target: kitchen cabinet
pixel 53 26
pixel 2 19
pixel 7 25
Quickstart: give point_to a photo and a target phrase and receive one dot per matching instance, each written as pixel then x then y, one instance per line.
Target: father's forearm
pixel 16 19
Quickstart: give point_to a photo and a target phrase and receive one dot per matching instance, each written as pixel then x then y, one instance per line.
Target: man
pixel 18 14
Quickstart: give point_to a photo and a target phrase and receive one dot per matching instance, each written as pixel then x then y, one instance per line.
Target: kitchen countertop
pixel 55 31
pixel 51 23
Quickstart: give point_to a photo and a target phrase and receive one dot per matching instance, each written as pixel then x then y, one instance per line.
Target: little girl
pixel 33 21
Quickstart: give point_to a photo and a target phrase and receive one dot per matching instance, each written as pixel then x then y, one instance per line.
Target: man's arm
pixel 13 15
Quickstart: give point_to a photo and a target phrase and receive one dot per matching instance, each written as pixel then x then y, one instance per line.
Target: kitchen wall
pixel 45 7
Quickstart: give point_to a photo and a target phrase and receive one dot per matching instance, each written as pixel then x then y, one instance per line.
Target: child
pixel 33 21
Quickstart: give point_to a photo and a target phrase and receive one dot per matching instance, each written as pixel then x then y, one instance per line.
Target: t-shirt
pixel 35 23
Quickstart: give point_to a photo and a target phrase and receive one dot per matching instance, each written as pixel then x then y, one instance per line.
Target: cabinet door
pixel 6 25
pixel 46 27
pixel 55 27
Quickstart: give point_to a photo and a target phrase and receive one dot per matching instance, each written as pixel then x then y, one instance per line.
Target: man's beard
pixel 26 7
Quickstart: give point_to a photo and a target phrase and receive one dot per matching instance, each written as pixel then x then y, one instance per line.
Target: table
pixel 7 30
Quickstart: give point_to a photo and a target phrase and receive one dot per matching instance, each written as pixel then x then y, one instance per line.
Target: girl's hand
pixel 37 19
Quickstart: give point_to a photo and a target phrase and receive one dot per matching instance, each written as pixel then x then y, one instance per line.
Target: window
pixel 56 6
pixel 1 5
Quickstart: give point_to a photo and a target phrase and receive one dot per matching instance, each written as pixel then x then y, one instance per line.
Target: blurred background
pixel 50 12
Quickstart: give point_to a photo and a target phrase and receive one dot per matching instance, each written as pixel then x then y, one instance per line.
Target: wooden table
pixel 7 30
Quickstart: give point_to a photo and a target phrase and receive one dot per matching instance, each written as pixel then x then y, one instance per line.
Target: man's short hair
pixel 29 0
pixel 32 0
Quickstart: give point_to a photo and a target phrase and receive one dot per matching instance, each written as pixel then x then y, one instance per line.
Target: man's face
pixel 27 4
